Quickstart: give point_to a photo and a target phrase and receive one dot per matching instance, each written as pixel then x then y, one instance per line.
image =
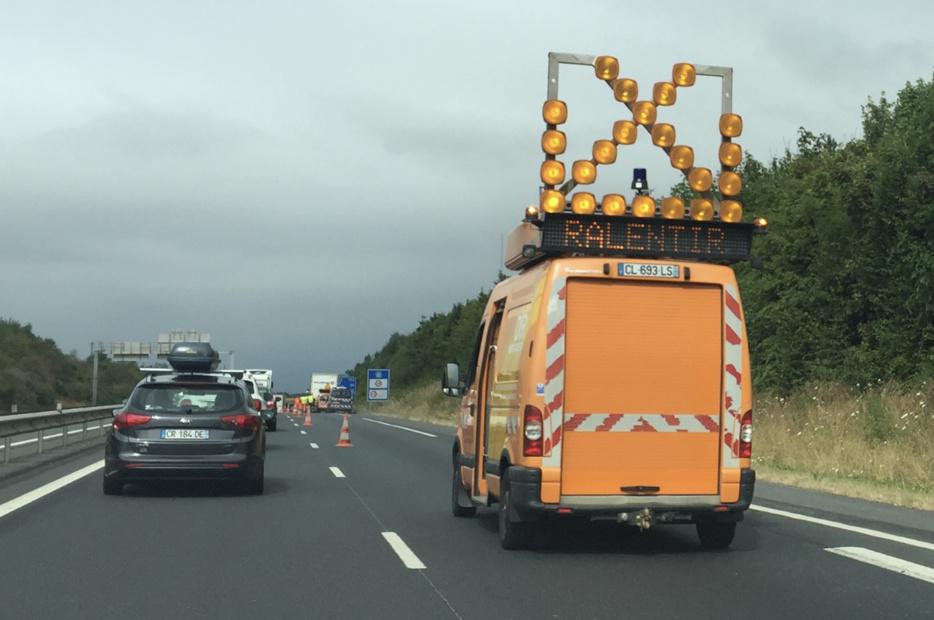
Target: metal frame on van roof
pixel 555 60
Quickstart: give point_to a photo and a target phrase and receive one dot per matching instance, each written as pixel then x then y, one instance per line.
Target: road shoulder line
pixel 50 487
pixel 404 428
pixel 888 562
pixel 921 544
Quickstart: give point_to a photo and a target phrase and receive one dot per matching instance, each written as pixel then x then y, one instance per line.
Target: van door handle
pixel 640 489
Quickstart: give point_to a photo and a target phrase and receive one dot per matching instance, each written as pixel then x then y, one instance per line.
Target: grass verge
pixel 875 443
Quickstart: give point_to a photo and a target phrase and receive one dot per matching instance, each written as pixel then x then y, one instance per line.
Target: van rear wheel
pixel 716 535
pixel 513 532
pixel 461 506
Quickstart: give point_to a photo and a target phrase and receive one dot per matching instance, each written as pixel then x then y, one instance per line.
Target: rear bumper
pixel 183 470
pixel 244 462
pixel 525 485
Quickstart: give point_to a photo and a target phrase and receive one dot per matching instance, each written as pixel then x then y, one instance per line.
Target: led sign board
pixel 651 237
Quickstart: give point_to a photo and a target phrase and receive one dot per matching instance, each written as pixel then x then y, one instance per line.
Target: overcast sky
pixel 302 179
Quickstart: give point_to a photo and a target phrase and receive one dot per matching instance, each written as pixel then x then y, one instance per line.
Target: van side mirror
pixel 451 380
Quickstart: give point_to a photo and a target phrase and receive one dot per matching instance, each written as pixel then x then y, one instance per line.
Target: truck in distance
pixel 321 385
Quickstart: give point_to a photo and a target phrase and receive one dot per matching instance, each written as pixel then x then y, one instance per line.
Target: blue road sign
pixel 377 384
pixel 349 383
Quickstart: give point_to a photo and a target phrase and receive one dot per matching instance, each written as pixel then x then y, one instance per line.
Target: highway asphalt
pixel 380 542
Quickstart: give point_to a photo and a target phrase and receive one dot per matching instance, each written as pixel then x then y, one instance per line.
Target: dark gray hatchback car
pixel 190 426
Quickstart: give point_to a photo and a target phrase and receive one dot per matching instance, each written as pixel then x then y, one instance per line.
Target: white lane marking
pixel 303 432
pixel 313 445
pixel 404 428
pixel 337 472
pixel 409 559
pixel 888 562
pixel 849 528
pixel 28 498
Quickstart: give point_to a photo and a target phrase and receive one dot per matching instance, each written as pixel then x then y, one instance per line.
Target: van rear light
pixel 242 421
pixel 532 437
pixel 127 420
pixel 745 436
pixel 257 404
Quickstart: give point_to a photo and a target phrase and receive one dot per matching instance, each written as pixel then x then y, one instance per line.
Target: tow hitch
pixel 644 519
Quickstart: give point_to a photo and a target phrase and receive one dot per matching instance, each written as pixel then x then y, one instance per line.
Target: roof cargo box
pixel 193 357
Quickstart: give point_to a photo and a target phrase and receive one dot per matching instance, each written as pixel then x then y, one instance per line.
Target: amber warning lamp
pixel 711 207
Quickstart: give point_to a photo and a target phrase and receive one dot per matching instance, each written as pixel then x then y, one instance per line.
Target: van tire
pixel 513 534
pixel 716 534
pixel 461 506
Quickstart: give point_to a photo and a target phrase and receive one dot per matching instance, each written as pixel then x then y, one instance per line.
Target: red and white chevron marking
pixel 732 375
pixel 553 416
pixel 640 422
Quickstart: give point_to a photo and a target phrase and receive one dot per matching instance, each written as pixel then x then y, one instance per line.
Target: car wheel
pixel 716 535
pixel 113 486
pixel 273 425
pixel 513 534
pixel 461 506
pixel 254 486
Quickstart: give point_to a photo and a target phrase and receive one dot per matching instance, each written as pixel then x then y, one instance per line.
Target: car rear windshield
pixel 187 398
pixel 340 393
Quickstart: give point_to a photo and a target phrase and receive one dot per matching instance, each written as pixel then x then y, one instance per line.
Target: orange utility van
pixel 610 378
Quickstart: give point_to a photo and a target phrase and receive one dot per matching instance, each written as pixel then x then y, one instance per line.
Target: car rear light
pixel 745 436
pixel 270 404
pixel 127 420
pixel 532 437
pixel 242 421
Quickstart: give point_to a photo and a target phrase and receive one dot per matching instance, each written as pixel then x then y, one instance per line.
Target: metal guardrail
pixel 40 422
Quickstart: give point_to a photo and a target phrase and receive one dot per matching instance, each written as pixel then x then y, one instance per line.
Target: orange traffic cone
pixel 344 439
pixel 307 420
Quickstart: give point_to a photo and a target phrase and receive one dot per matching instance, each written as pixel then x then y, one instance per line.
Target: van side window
pixel 473 361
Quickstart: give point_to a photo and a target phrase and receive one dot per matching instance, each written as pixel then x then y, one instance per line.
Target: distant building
pixel 131 351
pixel 153 354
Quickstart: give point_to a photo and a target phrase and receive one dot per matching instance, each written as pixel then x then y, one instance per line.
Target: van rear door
pixel 642 388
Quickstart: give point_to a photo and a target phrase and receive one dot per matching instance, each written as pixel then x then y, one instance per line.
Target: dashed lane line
pixel 921 544
pixel 28 498
pixel 408 557
pixel 303 432
pixel 313 445
pixel 404 428
pixel 888 562
pixel 337 472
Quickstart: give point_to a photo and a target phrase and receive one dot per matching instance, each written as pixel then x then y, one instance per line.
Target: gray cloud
pixel 303 179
